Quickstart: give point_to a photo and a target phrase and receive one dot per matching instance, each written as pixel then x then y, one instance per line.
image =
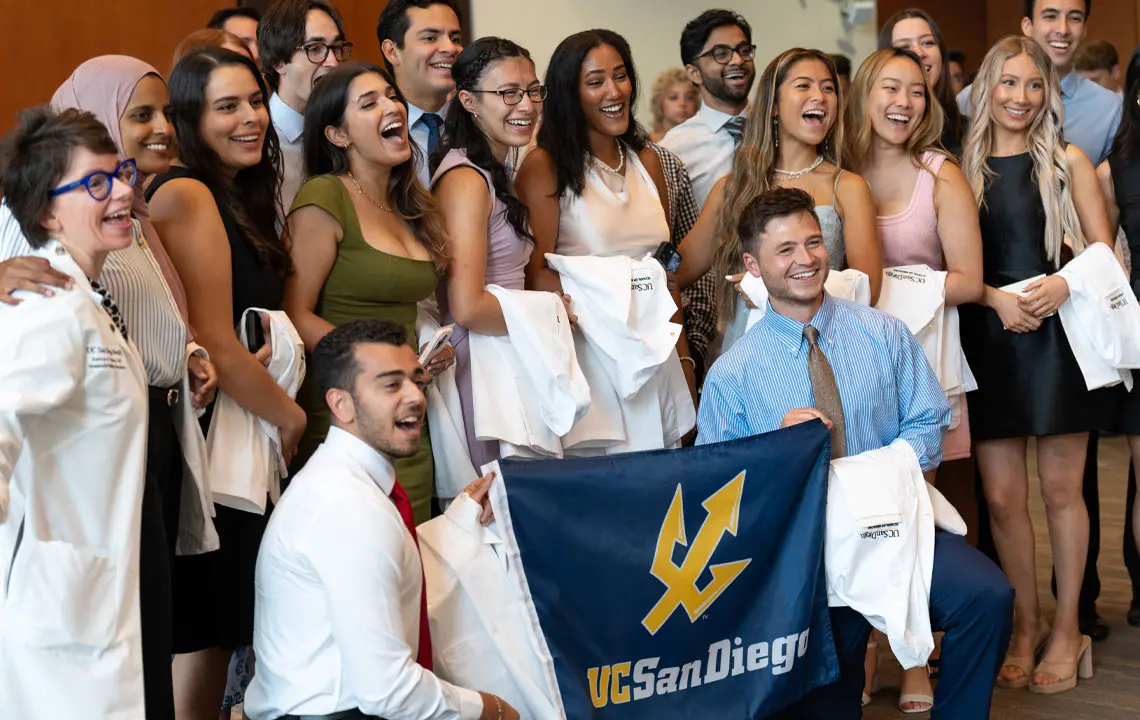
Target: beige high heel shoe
pixel 1082 667
pixel 1024 664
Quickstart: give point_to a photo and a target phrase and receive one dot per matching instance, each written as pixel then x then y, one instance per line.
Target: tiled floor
pixel 1114 693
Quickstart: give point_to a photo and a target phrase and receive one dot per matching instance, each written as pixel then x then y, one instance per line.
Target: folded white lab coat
pixel 916 294
pixel 246 460
pixel 849 284
pixel 879 544
pixel 196 533
pixel 452 458
pixel 624 309
pixel 626 346
pixel 1101 318
pixel 480 628
pixel 527 389
pixel 73 433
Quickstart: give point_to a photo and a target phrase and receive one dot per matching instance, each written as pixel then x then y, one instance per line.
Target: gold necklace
pixel 366 196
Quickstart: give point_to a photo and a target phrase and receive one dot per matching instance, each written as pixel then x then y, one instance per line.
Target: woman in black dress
pixel 216 211
pixel 1037 196
pixel 1120 179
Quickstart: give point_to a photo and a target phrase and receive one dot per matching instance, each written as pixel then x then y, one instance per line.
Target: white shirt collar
pixel 415 113
pixel 714 118
pixel 344 444
pixel 289 123
pixel 55 253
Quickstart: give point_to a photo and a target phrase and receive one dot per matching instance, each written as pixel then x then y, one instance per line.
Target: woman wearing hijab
pixel 129 97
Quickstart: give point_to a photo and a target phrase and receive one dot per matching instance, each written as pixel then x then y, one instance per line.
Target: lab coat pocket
pixel 472 662
pixel 65 597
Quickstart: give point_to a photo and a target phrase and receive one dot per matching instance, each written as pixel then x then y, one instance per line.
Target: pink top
pixel 911 237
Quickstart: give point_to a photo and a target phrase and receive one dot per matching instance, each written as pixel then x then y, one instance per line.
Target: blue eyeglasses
pixel 99 183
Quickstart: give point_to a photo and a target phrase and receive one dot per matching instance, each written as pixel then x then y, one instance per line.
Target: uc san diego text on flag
pixel 679 583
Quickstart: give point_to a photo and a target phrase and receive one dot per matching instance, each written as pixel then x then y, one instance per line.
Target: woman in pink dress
pixel 926 215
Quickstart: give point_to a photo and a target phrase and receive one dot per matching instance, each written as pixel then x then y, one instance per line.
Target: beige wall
pixel 653 28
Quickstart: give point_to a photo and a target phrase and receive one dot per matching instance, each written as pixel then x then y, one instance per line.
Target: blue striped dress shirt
pixel 885 384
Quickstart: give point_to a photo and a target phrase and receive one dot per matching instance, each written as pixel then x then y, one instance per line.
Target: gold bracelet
pixel 499 706
pixel 692 362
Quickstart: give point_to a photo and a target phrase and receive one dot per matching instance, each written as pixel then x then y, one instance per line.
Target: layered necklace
pixel 620 169
pixel 366 196
pixel 793 174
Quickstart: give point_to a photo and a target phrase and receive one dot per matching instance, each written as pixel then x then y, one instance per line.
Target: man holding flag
pixel 862 374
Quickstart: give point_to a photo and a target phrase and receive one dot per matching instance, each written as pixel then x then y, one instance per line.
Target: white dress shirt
pixel 337 612
pixel 289 125
pixel 706 148
pixel 418 132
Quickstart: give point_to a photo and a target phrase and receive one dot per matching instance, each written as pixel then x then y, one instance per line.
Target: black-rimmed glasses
pixel 317 52
pixel 99 183
pixel 723 53
pixel 514 96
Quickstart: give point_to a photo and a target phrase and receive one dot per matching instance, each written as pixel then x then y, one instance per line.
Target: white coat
pixel 73 432
pixel 196 533
pixel 1101 318
pixel 626 344
pixel 916 294
pixel 452 460
pixel 527 388
pixel 479 624
pixel 246 460
pixel 879 544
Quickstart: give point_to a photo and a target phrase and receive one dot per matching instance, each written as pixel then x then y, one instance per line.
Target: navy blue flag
pixel 678 583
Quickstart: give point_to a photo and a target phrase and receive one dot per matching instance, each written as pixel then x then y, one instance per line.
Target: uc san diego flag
pixel 679 583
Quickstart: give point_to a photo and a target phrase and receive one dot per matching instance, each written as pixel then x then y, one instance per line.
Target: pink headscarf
pixel 103 87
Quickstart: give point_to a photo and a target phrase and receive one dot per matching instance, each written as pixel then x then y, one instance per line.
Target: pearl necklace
pixel 621 161
pixel 793 174
pixel 369 198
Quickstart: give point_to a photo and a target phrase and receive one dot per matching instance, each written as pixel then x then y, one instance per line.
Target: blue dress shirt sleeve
pixel 924 413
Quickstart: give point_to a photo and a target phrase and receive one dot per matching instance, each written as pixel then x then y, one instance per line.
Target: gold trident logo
pixel 723 514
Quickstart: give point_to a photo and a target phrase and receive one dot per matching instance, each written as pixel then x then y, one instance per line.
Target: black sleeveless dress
pixel 1126 182
pixel 213 593
pixel 1028 384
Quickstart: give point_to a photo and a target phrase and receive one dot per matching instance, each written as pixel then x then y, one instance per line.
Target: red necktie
pixel 404 506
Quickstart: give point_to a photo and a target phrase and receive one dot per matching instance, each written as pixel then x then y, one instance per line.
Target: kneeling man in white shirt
pixel 340 628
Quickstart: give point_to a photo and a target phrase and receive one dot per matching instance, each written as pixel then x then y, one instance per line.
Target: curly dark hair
pixel 461 132
pixel 697 31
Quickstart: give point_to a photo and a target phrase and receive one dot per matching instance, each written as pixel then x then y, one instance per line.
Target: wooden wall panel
pixel 47 39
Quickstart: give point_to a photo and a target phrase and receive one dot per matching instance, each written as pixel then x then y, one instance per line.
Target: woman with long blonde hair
pixel 1038 197
pixel 925 216
pixel 793 138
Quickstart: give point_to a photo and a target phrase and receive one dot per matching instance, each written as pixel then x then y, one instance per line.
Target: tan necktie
pixel 825 392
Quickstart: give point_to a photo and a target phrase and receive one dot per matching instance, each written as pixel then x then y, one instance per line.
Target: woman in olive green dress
pixel 365 238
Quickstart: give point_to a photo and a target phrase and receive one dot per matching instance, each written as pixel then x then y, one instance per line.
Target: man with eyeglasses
pixel 718 54
pixel 420 41
pixel 300 41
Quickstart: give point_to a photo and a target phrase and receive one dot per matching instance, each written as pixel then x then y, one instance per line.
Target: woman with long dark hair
pixel 1120 179
pixel 215 211
pixel 593 186
pixel 488 235
pixel 366 239
pixel 800 146
pixel 915 30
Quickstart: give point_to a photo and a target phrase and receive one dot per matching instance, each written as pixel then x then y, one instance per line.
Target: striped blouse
pixel 133 278
pixel 886 386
